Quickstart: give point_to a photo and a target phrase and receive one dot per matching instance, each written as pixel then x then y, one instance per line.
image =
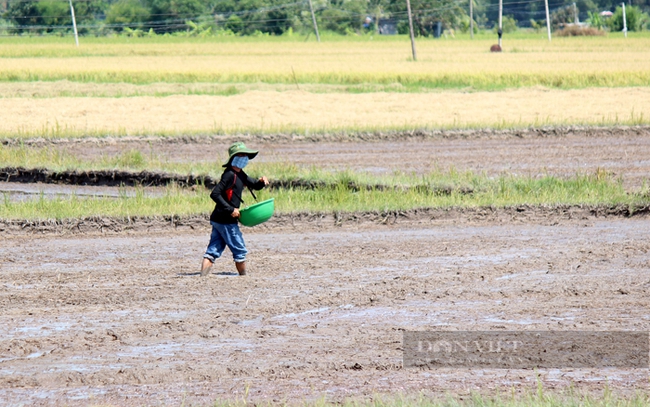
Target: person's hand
pixel 235 213
pixel 265 180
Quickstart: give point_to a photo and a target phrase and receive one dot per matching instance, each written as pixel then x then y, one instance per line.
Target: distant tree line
pixel 530 13
pixel 276 17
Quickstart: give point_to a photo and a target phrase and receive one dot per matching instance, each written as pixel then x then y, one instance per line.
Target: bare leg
pixel 241 268
pixel 205 267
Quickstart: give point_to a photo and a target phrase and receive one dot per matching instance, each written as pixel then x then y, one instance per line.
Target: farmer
pixel 227 195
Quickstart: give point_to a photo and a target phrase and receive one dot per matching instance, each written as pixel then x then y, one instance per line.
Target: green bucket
pixel 258 213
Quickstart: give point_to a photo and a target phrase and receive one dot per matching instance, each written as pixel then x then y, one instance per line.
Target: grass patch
pixel 495 192
pixel 134 160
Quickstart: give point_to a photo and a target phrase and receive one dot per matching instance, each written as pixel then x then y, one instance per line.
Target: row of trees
pixel 245 17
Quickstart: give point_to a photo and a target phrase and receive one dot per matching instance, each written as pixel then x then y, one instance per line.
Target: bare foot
pixel 241 268
pixel 206 266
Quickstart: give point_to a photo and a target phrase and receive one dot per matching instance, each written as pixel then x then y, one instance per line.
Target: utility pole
pixel 548 21
pixel 74 24
pixel 575 14
pixel 471 19
pixel 408 8
pixel 313 17
pixel 377 17
pixel 500 32
pixel 624 21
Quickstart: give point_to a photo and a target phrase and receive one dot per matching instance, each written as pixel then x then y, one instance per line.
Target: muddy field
pixel 124 318
pixel 121 317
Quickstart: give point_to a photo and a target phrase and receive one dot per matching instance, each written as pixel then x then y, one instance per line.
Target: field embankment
pixel 314 221
pixel 591 167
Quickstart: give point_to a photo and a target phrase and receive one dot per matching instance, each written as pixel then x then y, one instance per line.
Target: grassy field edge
pixel 332 218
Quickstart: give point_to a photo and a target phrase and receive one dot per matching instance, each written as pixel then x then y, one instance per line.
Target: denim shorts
pixel 226 235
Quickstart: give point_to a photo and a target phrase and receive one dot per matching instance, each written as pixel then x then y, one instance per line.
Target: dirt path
pixel 123 318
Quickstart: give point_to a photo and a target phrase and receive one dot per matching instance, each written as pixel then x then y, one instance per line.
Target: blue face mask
pixel 239 162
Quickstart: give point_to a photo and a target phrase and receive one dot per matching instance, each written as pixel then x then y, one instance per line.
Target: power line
pixel 181 20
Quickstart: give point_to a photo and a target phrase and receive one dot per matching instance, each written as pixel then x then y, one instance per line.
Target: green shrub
pixel 562 17
pixel 46 16
pixel 537 25
pixel 129 13
pixel 54 12
pixel 174 10
pixel 636 19
pixel 427 14
pixel 345 17
pixel 509 25
pixel 596 20
pixel 463 25
pixel 234 24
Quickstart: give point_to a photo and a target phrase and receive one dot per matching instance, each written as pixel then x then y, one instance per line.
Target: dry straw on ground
pixel 270 110
pixel 577 31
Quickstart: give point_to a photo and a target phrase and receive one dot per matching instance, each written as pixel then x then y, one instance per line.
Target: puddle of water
pixel 19 287
pixel 295 315
pixel 586 375
pixel 374 315
pixel 537 274
pixel 404 315
pixel 174 349
pixel 252 322
pixel 82 393
pixel 30 356
pixel 38 328
pixel 41 330
pixel 528 321
pixel 18 192
pixel 524 321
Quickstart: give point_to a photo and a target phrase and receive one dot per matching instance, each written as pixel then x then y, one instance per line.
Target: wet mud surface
pixel 21 191
pixel 123 317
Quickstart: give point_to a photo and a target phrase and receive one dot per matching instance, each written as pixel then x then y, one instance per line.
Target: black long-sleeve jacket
pixel 224 207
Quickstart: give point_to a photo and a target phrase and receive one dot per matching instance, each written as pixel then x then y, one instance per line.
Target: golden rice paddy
pixel 565 62
pixel 152 86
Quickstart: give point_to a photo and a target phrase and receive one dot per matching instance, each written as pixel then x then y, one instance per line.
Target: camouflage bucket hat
pixel 240 148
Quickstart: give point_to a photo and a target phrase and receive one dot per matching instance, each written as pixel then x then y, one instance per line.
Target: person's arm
pixel 217 192
pixel 256 184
